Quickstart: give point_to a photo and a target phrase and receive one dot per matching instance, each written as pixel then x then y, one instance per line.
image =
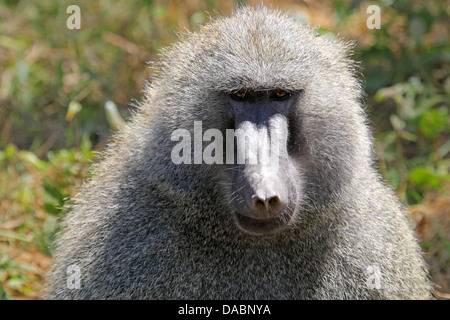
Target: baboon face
pixel 265 182
pixel 292 99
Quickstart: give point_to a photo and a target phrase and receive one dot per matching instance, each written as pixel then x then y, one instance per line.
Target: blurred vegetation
pixel 55 83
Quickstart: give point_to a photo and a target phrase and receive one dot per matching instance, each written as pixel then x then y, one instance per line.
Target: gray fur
pixel 145 228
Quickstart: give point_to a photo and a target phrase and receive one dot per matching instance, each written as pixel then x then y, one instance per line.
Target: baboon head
pixel 292 100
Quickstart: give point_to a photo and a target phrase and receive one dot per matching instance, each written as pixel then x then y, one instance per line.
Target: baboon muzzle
pixel 259 193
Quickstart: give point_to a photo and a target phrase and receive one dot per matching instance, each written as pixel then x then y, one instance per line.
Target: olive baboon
pixel 318 224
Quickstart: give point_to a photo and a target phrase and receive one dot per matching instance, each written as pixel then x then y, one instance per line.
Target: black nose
pixel 266 207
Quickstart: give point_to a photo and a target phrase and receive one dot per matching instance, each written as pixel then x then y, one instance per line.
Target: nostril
pixel 274 205
pixel 258 203
pixel 267 207
pixel 273 201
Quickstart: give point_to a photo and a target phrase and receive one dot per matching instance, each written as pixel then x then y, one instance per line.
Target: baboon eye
pixel 241 95
pixel 279 94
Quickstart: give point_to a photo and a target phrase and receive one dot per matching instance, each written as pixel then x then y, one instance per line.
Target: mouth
pixel 260 226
